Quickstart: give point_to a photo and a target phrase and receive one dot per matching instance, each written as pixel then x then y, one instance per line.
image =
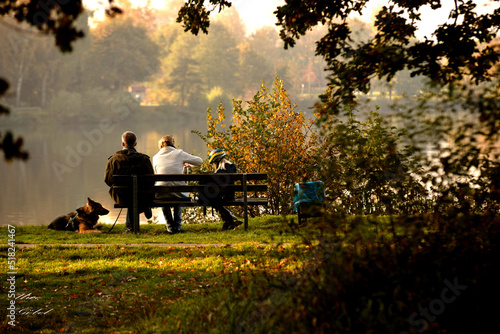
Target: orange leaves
pixel 268 136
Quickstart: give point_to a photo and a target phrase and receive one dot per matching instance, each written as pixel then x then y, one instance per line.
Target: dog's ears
pixel 87 209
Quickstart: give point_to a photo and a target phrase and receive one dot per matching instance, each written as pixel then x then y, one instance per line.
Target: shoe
pixel 148 213
pixel 171 231
pixel 232 225
pixel 128 231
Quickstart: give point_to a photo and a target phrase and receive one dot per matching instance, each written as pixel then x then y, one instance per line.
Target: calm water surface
pixel 67 165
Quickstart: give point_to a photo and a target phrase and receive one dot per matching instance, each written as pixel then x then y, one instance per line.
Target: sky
pixel 255 13
pixel 259 13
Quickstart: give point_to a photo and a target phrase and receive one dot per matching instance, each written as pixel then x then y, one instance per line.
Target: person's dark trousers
pixel 226 215
pixel 174 224
pixel 129 220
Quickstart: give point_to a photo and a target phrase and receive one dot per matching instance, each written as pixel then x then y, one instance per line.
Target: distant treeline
pixel 148 51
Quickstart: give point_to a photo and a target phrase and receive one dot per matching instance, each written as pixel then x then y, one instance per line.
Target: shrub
pixel 366 170
pixel 459 136
pixel 92 105
pixel 268 136
pixel 369 282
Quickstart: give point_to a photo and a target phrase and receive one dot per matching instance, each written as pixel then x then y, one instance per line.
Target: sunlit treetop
pixel 461 48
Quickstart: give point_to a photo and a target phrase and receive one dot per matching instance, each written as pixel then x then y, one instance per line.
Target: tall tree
pixel 36 69
pixel 454 52
pixel 122 53
pixel 265 43
pixel 179 80
pixel 184 74
pixel 232 20
pixel 218 48
pixel 19 55
pixel 254 69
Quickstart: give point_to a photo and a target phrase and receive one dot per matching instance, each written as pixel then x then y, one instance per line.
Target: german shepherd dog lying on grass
pixel 83 220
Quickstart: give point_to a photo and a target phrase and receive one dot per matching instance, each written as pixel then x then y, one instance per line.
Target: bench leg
pixel 246 218
pixel 245 198
pixel 135 204
pixel 136 220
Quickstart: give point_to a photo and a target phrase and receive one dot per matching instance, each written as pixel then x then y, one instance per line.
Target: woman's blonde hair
pixel 222 164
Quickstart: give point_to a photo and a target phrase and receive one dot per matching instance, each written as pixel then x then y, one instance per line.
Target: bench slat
pixel 192 177
pixel 189 203
pixel 196 189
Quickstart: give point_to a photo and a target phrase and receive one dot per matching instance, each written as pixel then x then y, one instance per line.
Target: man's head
pixel 129 139
pixel 166 140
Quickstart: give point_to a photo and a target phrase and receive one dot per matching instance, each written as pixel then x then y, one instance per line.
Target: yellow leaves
pixel 268 136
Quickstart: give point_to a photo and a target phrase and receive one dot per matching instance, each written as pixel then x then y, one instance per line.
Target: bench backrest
pixel 243 182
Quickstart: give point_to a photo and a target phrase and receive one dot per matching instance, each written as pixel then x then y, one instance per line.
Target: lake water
pixel 66 165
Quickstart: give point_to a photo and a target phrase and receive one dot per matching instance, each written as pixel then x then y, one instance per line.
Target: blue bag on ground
pixel 308 192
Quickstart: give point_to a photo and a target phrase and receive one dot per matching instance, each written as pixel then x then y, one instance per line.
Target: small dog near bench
pixel 83 220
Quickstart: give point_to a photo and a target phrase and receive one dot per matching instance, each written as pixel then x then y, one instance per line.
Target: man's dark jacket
pixel 128 162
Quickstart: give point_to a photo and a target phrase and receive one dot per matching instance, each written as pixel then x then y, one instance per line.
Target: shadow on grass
pixel 130 288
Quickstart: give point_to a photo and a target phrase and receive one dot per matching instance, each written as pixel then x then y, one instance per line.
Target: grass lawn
pixel 110 286
pixel 356 274
pixel 270 229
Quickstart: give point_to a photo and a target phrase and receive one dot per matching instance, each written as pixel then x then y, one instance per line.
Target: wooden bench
pixel 245 183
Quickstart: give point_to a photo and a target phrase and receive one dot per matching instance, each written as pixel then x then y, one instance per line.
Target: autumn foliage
pixel 268 136
pixel 368 168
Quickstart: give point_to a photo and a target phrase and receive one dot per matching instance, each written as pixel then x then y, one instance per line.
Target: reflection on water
pixel 66 165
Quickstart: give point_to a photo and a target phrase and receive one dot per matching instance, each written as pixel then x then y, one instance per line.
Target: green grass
pixel 276 277
pixel 109 286
pixel 94 289
pixel 356 274
pixel 270 229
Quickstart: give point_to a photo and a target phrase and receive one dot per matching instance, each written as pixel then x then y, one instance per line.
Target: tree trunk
pixel 19 83
pixel 44 89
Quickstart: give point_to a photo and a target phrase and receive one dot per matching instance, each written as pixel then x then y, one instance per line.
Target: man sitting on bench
pixel 129 162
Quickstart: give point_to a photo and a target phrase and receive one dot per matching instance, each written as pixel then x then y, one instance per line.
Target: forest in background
pixel 145 49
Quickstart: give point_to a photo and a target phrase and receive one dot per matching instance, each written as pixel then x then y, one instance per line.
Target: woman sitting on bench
pixel 218 159
pixel 171 160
